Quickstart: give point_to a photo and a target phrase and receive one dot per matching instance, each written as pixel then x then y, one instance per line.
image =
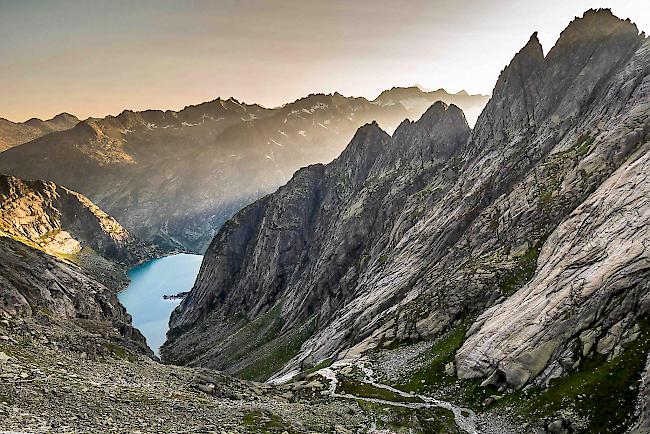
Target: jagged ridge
pixel 174 177
pixel 555 129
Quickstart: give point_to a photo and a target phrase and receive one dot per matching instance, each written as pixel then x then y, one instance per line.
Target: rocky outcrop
pixel 34 282
pixel 590 288
pixel 12 133
pixel 62 256
pixel 62 222
pixel 173 178
pixel 441 228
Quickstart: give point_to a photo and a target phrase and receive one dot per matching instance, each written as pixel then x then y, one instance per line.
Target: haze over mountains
pixel 172 178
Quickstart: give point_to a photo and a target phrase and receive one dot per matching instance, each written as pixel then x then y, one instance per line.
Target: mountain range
pixel 172 178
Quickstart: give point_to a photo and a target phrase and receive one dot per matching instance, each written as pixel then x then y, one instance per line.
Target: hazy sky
pixel 93 58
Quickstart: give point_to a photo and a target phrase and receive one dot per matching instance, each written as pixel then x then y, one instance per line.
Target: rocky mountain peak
pixel 368 130
pixel 440 110
pixel 592 36
pixel 368 143
pixel 12 134
pixel 512 105
pixel 65 116
pixel 33 122
pixel 523 67
pixel 594 24
pixel 56 123
pixel 440 131
pixel 366 139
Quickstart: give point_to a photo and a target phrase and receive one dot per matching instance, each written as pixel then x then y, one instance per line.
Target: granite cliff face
pixel 16 133
pixel 173 178
pixel 587 295
pixel 323 223
pixel 404 238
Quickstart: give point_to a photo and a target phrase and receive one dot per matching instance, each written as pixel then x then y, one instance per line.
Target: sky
pixel 94 58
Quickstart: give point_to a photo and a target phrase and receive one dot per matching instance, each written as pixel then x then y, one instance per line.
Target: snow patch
pixel 318 106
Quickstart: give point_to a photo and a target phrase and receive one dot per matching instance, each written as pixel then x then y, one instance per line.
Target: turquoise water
pixel 143 298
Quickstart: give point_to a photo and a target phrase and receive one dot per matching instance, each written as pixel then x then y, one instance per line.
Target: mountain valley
pixel 424 262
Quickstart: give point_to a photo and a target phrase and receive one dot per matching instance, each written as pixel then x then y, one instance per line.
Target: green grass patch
pixel 604 392
pixel 324 364
pixel 583 145
pixel 513 279
pixel 433 375
pixel 559 164
pixel 545 199
pixel 255 333
pixel 263 422
pixel 407 420
pixel 365 390
pixel 276 352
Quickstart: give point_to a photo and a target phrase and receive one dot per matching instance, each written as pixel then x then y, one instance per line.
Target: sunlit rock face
pixel 61 222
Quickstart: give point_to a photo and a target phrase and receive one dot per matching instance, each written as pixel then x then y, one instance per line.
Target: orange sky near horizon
pixel 94 58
